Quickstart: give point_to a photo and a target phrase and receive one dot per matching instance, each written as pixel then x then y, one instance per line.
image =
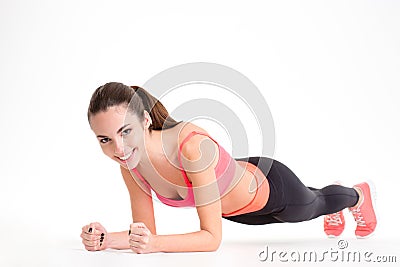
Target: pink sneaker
pixel 334 224
pixel 364 213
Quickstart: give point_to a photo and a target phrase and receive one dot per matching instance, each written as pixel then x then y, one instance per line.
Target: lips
pixel 127 156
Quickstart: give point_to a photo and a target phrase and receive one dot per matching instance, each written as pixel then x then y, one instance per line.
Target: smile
pixel 127 156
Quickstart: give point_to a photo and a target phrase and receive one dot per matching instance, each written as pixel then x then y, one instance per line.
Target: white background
pixel 329 71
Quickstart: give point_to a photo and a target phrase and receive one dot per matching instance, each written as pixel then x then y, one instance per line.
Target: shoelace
pixel 358 217
pixel 334 219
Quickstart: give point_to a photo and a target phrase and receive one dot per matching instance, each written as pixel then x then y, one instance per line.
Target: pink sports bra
pixel 224 172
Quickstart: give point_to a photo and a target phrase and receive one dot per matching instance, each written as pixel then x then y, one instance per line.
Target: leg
pixel 290 200
pixel 306 203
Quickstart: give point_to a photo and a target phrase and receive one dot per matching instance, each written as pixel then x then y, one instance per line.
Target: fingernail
pixel 129 232
pixel 101 244
pixel 102 234
pixel 90 229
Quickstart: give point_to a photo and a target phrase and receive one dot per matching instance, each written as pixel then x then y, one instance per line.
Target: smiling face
pixel 121 137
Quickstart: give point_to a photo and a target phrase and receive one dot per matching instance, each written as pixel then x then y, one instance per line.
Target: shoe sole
pixel 333 236
pixel 372 190
pixel 367 236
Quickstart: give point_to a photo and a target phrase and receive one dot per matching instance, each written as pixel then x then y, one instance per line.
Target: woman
pixel 185 166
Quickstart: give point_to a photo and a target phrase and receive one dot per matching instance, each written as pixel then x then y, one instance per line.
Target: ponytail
pixel 158 113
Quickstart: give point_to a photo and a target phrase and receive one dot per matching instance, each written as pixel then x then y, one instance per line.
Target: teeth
pixel 126 156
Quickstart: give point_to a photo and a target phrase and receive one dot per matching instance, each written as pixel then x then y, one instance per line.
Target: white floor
pixel 45 241
pixel 256 252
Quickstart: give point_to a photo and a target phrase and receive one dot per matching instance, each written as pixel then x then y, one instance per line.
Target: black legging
pixel 290 200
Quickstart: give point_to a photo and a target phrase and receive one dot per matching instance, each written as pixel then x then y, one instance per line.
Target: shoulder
pixel 197 145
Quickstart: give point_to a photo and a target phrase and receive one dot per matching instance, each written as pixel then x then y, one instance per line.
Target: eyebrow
pixel 119 130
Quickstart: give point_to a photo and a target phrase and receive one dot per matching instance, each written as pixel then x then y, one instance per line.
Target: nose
pixel 118 147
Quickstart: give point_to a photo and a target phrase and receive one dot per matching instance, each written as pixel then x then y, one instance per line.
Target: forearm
pixel 118 240
pixel 191 242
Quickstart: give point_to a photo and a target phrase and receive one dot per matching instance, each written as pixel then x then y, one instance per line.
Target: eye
pixel 127 131
pixel 104 140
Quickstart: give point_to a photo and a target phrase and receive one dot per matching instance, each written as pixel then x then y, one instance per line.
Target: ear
pixel 147 119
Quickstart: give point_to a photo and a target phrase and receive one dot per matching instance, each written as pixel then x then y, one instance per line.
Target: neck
pixel 153 149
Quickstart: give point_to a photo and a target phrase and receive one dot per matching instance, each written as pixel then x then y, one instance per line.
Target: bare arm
pixel 207 239
pixel 141 206
pixel 199 169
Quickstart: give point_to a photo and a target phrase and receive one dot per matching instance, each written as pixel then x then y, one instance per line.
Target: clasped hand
pixel 141 240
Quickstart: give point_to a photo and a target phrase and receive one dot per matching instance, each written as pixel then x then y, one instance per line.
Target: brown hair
pixel 136 99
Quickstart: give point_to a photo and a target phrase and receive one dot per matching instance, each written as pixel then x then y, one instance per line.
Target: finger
pixel 98 226
pixel 139 241
pixel 96 244
pixel 91 237
pixel 137 231
pixel 137 249
pixel 87 229
pixel 91 243
pixel 135 238
pixel 134 244
pixel 138 228
pixel 137 225
pixel 97 232
pixel 102 237
pixel 92 228
pixel 92 248
pixel 140 231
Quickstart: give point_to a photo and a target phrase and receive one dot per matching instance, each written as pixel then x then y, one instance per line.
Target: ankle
pixel 360 196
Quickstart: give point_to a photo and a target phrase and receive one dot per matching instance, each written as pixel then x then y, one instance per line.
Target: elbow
pixel 214 247
pixel 214 244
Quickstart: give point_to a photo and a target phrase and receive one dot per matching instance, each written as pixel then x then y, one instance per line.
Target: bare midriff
pixel 244 198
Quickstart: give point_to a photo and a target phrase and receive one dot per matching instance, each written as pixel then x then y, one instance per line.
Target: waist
pixel 261 196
